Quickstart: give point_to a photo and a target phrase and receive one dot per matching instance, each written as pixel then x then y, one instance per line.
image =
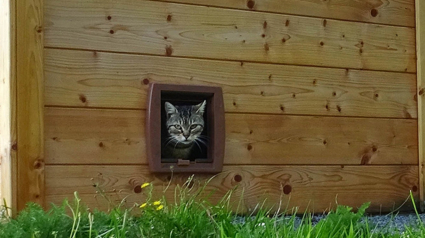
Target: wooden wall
pixel 320 96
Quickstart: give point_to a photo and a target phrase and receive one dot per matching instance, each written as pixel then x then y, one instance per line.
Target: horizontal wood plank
pixel 90 136
pixel 392 12
pixel 195 31
pixel 97 79
pixel 313 188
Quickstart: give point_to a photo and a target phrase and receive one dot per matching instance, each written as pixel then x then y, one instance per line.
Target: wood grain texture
pixel 30 103
pixel 313 188
pixel 89 136
pixel 8 103
pixel 420 37
pixel 202 32
pixel 97 79
pixel 392 12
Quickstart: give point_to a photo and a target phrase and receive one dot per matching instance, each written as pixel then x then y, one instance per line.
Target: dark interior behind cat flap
pixel 185 128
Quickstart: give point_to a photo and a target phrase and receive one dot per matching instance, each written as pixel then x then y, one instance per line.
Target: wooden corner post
pixel 22 136
pixel 8 101
pixel 420 51
pixel 30 103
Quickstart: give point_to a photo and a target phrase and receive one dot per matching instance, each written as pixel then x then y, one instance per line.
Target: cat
pixel 184 125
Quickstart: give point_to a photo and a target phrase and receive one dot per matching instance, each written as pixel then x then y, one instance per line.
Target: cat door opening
pixel 185 128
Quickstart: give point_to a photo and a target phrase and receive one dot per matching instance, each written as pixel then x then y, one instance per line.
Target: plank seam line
pixel 225 60
pixel 253 165
pixel 280 14
pixel 249 113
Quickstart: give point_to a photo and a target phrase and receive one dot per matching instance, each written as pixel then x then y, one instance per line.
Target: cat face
pixel 185 123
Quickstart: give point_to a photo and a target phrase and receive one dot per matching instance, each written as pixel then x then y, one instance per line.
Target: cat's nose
pixel 186 136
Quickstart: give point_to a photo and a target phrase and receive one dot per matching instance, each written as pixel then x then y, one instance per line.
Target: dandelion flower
pixel 145 185
pixel 143 205
pixel 157 203
pixel 160 207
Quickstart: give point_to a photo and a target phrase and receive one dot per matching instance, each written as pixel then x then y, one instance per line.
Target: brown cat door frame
pixel 158 94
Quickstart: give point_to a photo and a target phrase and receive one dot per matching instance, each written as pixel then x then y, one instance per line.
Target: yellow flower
pixel 157 203
pixel 160 207
pixel 143 205
pixel 145 185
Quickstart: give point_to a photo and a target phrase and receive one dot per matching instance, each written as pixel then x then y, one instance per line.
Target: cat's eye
pixel 177 126
pixel 193 126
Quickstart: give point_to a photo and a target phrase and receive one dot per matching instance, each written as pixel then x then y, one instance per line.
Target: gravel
pixel 384 223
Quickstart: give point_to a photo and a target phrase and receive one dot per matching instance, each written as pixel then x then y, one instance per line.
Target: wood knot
pixel 14 147
pixel 325 22
pixel 365 159
pixel 287 22
pixel 421 92
pixel 101 144
pixel 266 47
pixel 249 147
pixel 111 31
pixel 415 188
pixel 146 81
pixel 287 189
pixel 109 18
pixel 374 12
pixel 251 131
pixel 265 25
pixel 325 142
pixel 82 98
pixel 137 188
pixel 250 4
pixel 237 178
pixel 169 18
pixel 338 108
pixel 263 35
pixel 283 40
pixel 322 43
pixel 39 29
pixel 282 108
pixel 38 164
pixel 168 50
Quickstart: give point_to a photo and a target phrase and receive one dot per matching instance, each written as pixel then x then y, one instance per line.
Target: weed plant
pixel 190 215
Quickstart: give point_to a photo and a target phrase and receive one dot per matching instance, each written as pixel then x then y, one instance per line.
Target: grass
pixel 189 216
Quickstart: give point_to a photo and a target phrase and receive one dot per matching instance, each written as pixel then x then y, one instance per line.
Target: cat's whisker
pixel 175 145
pixel 172 140
pixel 200 149
pixel 204 137
pixel 203 142
pixel 168 140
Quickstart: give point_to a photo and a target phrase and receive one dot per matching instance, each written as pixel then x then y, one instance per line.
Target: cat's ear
pixel 170 109
pixel 200 108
